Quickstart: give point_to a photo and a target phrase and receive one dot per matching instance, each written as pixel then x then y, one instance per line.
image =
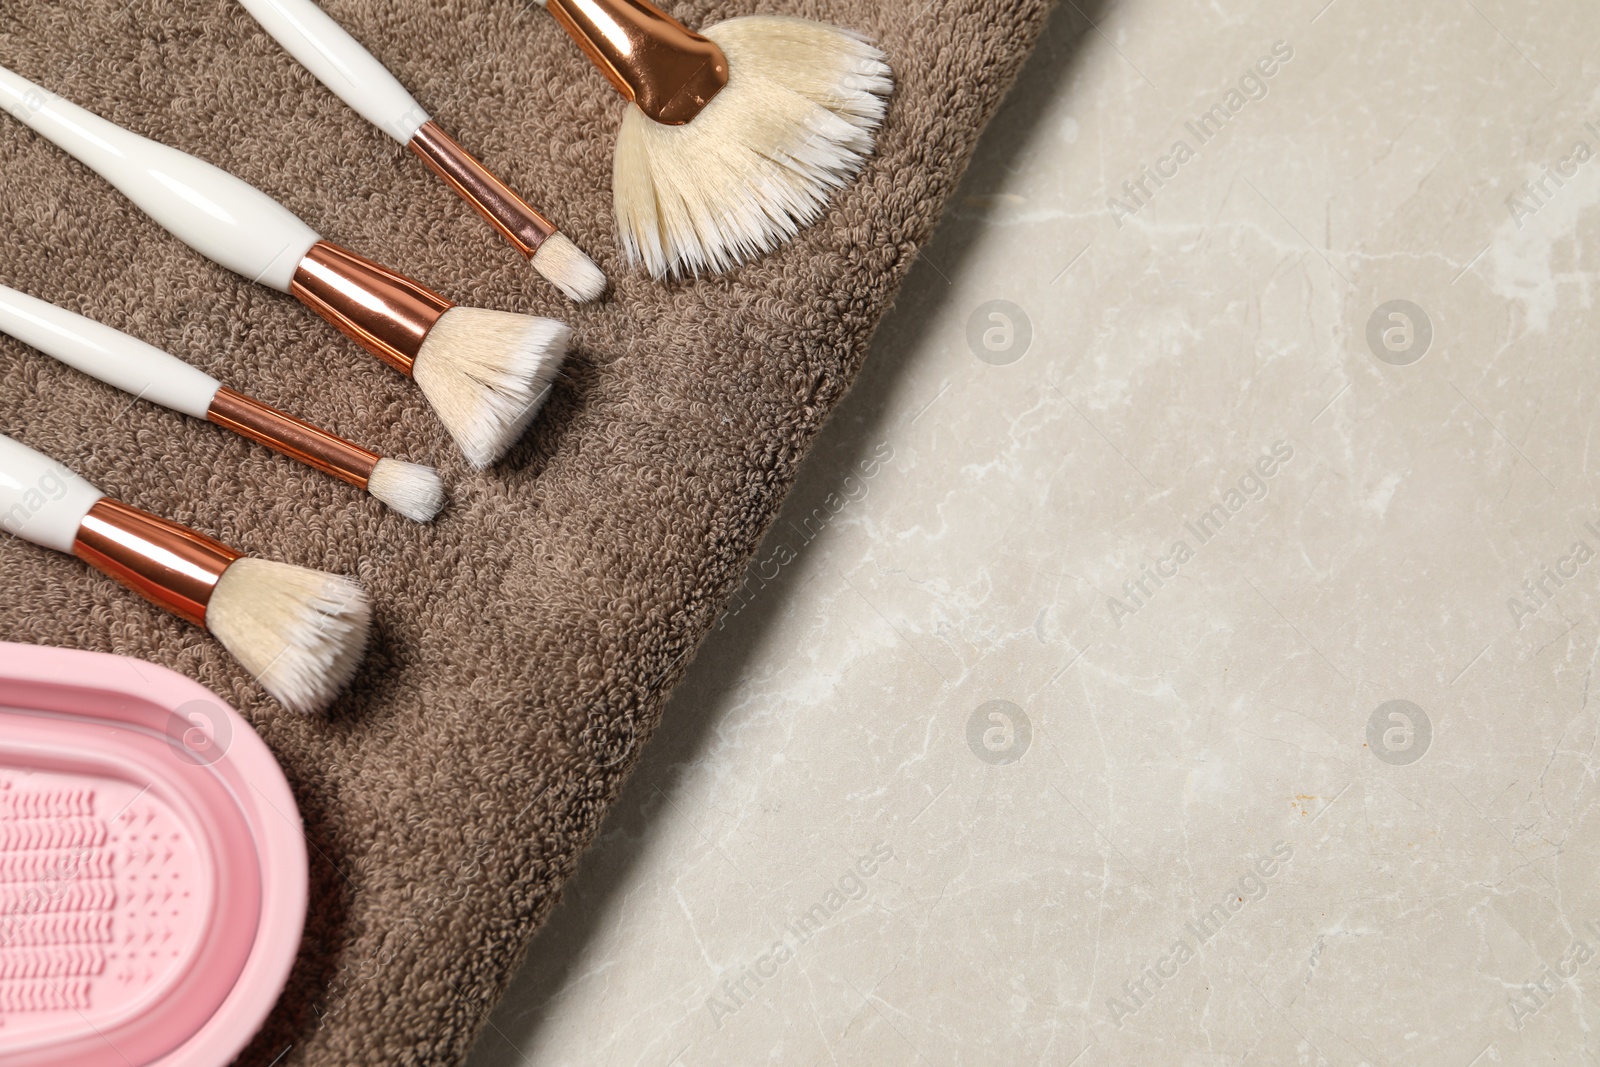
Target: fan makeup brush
pixel 324 48
pixel 147 372
pixel 300 632
pixel 738 134
pixel 484 372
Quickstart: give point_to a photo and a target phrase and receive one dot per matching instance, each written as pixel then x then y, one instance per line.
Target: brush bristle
pixel 415 491
pixel 564 266
pixel 486 373
pixel 795 121
pixel 300 632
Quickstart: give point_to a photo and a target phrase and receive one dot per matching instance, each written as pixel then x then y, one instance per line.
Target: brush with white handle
pixel 300 632
pixel 324 48
pixel 484 372
pixel 737 135
pixel 148 373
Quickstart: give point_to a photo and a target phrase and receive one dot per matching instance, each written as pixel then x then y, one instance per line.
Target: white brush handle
pixel 337 59
pixel 205 207
pixel 110 355
pixel 40 500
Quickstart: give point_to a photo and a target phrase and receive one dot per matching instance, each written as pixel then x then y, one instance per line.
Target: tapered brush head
pixel 486 373
pixel 564 266
pixel 415 491
pixel 795 122
pixel 300 632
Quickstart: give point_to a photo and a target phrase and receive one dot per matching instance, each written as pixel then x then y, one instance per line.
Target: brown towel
pixel 525 641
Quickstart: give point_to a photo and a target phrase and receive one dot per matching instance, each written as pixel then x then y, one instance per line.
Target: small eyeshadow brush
pixel 146 372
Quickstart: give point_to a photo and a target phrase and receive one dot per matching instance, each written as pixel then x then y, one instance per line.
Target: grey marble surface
pixel 1179 649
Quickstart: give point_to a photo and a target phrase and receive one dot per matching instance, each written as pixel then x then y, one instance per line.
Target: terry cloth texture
pixel 525 641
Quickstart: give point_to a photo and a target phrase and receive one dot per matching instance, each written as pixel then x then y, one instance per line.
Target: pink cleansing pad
pixel 152 867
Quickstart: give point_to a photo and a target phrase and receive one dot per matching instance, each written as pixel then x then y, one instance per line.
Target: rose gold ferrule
pixel 171 566
pixel 379 309
pixel 301 441
pixel 490 197
pixel 653 59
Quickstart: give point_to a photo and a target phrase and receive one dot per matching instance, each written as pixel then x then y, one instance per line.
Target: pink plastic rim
pixel 153 871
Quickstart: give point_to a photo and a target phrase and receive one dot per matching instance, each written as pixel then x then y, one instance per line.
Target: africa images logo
pixel 1186 946
pixel 740 987
pixel 1253 486
pixel 1137 193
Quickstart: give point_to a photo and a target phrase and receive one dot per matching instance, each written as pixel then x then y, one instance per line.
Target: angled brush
pixel 324 48
pixel 484 372
pixel 300 632
pixel 737 135
pixel 146 372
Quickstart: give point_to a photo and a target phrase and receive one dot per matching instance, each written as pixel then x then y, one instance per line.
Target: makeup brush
pixel 484 372
pixel 300 632
pixel 148 373
pixel 738 135
pixel 324 48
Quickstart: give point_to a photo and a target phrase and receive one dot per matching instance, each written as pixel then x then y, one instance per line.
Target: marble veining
pixel 1179 648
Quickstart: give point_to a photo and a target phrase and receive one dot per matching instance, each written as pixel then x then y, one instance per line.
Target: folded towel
pixel 524 642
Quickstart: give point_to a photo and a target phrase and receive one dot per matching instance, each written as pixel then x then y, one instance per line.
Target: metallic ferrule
pixel 384 312
pixel 300 441
pixel 489 196
pixel 171 566
pixel 669 71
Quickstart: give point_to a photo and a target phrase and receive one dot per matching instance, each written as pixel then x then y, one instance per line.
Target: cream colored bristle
pixel 300 632
pixel 564 265
pixel 795 122
pixel 415 491
pixel 486 373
